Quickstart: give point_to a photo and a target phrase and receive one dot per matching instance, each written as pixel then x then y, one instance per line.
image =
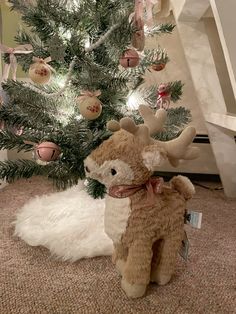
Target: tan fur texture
pixel 123 146
pixel 151 235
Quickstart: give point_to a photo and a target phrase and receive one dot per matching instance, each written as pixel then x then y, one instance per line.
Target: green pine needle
pixel 58 119
pixel 160 29
pixel 95 189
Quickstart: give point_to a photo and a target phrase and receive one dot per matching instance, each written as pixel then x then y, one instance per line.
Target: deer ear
pixel 153 156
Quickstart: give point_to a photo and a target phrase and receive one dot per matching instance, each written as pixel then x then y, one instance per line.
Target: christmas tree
pixel 84 59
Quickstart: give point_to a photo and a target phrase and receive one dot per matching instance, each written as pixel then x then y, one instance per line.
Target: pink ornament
pixel 40 71
pixel 130 59
pixel 89 105
pixel 158 67
pixel 47 151
pixel 138 37
pixel 163 96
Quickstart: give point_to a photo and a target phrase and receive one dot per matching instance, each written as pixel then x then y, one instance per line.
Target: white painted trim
pixel 201 64
pixel 192 10
pixel 224 14
pixel 222 120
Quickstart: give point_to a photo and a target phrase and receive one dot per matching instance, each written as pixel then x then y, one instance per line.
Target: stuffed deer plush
pixel 143 217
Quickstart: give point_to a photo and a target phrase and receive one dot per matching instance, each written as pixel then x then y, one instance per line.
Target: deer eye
pixel 87 169
pixel 113 172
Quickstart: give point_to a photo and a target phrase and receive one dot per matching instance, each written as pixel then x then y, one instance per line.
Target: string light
pixel 134 99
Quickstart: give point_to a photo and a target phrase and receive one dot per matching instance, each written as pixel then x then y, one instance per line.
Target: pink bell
pixel 130 59
pixel 47 151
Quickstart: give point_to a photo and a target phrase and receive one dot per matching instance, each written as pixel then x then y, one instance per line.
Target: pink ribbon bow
pixel 140 5
pixel 153 187
pixel 87 93
pixel 22 49
pixel 45 62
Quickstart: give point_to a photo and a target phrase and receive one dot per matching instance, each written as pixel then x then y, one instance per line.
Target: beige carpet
pixel 33 282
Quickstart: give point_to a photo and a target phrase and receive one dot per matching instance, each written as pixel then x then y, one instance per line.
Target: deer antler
pixel 176 149
pixel 179 148
pixel 141 131
pixel 154 122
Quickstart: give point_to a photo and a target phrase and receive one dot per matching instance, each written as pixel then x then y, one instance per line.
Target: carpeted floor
pixel 33 282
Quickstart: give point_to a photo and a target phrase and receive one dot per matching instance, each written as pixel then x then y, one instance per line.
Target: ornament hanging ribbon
pixel 140 6
pixel 149 11
pixel 44 61
pixel 22 49
pixel 86 93
pixel 162 9
pixel 153 187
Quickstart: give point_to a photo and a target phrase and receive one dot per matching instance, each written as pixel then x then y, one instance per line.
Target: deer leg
pixel 137 269
pixel 163 270
pixel 119 257
pixel 157 249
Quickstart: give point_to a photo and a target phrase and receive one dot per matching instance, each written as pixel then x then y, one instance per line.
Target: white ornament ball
pixel 90 107
pixel 40 73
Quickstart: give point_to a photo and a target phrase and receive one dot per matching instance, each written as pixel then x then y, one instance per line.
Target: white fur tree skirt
pixel 69 223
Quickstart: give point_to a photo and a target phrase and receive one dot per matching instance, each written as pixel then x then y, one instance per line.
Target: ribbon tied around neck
pixel 21 49
pixel 153 187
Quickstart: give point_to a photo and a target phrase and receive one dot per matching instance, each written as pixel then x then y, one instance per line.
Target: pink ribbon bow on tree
pixel 140 5
pixel 86 93
pixel 22 49
pixel 44 61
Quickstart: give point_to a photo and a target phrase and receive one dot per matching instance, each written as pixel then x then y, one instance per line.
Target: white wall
pixel 177 69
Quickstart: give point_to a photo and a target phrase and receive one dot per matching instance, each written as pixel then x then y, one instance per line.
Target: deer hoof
pixel 133 291
pixel 161 280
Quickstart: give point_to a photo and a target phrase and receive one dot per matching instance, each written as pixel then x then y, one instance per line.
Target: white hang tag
pixel 194 219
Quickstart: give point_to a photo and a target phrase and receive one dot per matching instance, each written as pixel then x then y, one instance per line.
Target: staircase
pixel 216 96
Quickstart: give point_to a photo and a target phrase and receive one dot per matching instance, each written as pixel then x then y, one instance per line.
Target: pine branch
pixel 13 117
pixel 135 76
pixel 154 56
pixel 32 103
pixel 19 5
pixel 175 89
pixel 58 120
pixel 8 140
pixel 39 49
pixel 63 175
pixel 95 189
pixel 13 170
pixel 160 29
pixel 177 119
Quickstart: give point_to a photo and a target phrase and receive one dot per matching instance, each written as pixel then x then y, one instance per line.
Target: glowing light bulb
pixel 134 99
pixel 87 42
